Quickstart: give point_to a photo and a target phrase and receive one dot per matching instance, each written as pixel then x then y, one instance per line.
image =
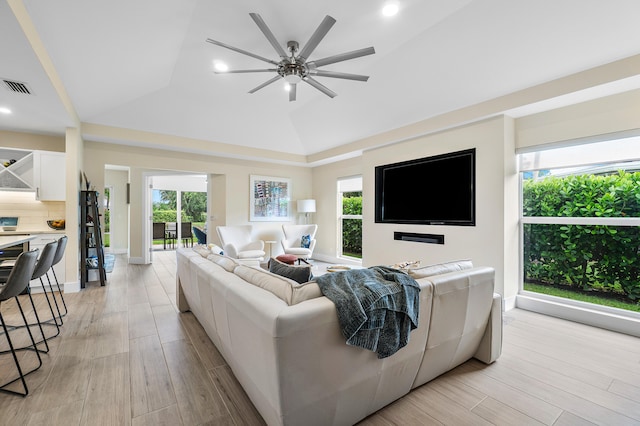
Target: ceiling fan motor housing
pixel 292 69
pixel 292 72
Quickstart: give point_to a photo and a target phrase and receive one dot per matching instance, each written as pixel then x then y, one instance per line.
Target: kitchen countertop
pixel 32 232
pixel 14 240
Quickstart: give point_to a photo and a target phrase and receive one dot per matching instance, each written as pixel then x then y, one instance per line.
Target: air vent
pixel 16 86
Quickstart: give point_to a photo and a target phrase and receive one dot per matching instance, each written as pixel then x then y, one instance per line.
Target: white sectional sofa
pixel 282 340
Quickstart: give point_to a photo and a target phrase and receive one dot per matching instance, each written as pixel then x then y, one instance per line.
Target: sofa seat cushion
pixel 251 254
pixel 440 268
pixel 299 251
pixel 284 288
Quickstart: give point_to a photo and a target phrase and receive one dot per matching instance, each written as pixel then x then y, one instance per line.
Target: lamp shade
pixel 306 206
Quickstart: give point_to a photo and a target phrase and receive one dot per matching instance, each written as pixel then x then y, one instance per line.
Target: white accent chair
pixel 291 244
pixel 238 243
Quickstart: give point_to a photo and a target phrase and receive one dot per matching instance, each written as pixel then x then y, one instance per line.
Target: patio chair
pixel 186 234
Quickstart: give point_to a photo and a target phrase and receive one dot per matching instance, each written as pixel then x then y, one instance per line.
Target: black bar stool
pixel 17 282
pixel 42 267
pixel 43 264
pixel 62 244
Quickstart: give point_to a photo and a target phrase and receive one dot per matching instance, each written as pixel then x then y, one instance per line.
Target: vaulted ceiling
pixel 144 65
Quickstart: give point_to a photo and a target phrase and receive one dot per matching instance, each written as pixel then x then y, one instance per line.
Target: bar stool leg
pixel 53 315
pixel 27 325
pixel 60 292
pixel 15 357
pixel 53 295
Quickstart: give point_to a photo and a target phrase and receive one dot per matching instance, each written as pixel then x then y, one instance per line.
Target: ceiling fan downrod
pixel 292 69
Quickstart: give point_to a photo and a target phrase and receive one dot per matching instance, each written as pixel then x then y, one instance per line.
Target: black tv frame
pixel 469 220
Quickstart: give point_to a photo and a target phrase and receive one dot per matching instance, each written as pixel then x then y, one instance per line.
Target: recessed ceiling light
pixel 4 110
pixel 220 66
pixel 390 9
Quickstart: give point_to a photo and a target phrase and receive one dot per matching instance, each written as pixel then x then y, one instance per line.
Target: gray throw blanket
pixel 377 307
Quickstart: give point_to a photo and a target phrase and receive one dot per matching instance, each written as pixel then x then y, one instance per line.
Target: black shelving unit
pixel 91 250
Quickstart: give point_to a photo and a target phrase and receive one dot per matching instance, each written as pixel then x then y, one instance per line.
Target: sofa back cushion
pixel 286 289
pixel 440 268
pixel 226 262
pixel 202 250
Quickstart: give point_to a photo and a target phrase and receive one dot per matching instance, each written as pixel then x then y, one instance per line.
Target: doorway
pixel 178 203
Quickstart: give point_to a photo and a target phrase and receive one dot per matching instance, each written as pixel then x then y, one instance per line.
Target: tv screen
pixel 438 190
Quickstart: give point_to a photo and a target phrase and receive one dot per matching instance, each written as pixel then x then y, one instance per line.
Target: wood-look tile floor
pixel 125 356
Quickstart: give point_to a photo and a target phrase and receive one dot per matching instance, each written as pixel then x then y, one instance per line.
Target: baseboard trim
pixel 335 260
pixel 116 251
pixel 71 287
pixel 136 261
pixel 621 323
pixel 508 303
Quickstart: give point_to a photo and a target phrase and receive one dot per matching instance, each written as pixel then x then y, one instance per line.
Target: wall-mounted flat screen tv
pixel 438 190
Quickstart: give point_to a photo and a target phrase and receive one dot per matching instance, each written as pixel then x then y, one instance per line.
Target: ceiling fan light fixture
pixel 390 9
pixel 220 66
pixel 292 78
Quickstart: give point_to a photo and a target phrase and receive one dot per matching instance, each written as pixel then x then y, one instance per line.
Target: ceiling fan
pixel 293 65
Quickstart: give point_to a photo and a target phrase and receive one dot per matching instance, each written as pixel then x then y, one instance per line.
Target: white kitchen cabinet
pixel 16 169
pixel 41 171
pixel 50 175
pixel 39 242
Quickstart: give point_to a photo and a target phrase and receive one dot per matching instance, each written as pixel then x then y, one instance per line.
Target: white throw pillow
pixel 215 249
pixel 202 250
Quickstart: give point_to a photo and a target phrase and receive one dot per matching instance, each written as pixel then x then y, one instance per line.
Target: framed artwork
pixel 270 199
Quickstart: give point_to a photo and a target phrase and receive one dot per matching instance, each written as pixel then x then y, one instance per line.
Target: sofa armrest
pixel 491 344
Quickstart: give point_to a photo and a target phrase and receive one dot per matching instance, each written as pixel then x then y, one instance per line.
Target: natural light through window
pixel 581 223
pixel 350 217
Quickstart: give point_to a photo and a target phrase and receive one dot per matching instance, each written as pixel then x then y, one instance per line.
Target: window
pixel 350 217
pixel 580 223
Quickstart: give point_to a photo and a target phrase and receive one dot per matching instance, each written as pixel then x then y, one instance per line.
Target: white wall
pixel 325 185
pixel 119 210
pixel 492 242
pixel 32 214
pixel 175 182
pixel 596 120
pixel 144 161
pixel 483 243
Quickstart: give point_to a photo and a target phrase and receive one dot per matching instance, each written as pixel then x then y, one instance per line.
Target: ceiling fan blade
pixel 320 87
pixel 317 37
pixel 266 83
pixel 292 92
pixel 342 57
pixel 244 52
pixel 246 71
pixel 334 74
pixel 268 34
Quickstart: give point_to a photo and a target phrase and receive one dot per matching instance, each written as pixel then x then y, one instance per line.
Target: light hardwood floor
pixel 126 356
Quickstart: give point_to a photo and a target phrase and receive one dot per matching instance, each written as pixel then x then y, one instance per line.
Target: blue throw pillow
pixel 305 241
